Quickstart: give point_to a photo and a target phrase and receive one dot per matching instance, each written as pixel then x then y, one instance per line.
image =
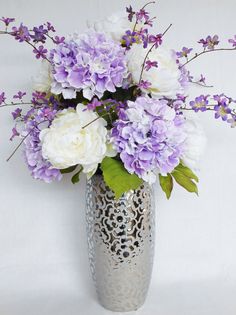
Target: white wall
pixel 43 258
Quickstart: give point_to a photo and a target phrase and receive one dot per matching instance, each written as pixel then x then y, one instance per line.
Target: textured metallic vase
pixel 121 244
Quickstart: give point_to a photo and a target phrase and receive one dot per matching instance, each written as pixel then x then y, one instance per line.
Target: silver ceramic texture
pixel 121 244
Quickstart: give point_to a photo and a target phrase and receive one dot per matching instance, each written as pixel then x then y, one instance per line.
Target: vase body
pixel 121 244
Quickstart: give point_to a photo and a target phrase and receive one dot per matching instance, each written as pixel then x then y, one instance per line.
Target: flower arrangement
pixel 113 101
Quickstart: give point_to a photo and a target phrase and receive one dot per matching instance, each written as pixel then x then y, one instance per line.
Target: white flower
pixel 115 25
pixel 42 81
pixel 66 143
pixel 195 144
pixel 165 78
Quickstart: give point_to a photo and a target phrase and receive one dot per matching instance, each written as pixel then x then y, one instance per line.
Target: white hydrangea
pixel 66 143
pixel 165 79
pixel 42 81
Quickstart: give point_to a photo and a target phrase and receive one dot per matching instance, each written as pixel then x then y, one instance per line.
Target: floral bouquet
pixel 113 101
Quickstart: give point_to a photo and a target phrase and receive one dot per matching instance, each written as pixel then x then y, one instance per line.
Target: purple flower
pixel 19 95
pixel 184 52
pixel 16 113
pixel 200 103
pixel 2 98
pixel 58 40
pixel 15 133
pixel 91 62
pixel 21 33
pixel 150 64
pixel 144 84
pixel 39 34
pixel 50 27
pixel 209 42
pixel 7 20
pixel 40 52
pixel 149 137
pixel 129 38
pixel 222 109
pixel 232 121
pixel 155 39
pixel 202 80
pixel 233 41
pixel 142 15
pixel 94 104
pixel 130 12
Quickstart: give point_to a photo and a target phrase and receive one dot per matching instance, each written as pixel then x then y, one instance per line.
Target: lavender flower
pixel 89 62
pixel 15 133
pixel 150 64
pixel 222 110
pixel 50 27
pixel 184 52
pixel 58 40
pixel 2 98
pixel 16 113
pixel 21 33
pixel 7 20
pixel 144 84
pixel 155 39
pixel 19 95
pixel 40 52
pixel 149 137
pixel 209 42
pixel 130 12
pixel 39 34
pixel 200 103
pixel 233 41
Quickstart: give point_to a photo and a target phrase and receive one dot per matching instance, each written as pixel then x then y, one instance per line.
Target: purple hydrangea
pixel 38 166
pixel 149 136
pixel 90 62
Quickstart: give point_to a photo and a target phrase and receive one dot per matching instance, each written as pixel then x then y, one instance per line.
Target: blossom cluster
pixel 114 93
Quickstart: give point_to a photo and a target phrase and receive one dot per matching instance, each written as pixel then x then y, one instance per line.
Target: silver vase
pixel 121 244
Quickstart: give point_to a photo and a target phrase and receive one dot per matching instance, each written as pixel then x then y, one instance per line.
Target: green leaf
pixel 186 171
pixel 68 170
pixel 117 178
pixel 166 183
pixel 185 181
pixel 76 177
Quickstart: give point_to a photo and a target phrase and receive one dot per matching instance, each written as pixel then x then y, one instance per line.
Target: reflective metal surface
pixel 121 244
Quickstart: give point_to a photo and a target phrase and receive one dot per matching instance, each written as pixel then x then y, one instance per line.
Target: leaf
pixel 186 171
pixel 185 181
pixel 166 183
pixel 75 179
pixel 117 177
pixel 68 170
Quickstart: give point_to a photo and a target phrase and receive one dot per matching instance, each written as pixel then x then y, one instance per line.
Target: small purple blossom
pixel 222 111
pixel 200 103
pixel 184 52
pixel 19 95
pixel 94 104
pixel 21 33
pixel 7 20
pixel 150 64
pixel 39 34
pixel 156 40
pixel 233 41
pixel 142 15
pixel 16 113
pixel 129 38
pixel 40 52
pixel 210 42
pixel 202 79
pixel 15 133
pixel 2 98
pixel 58 40
pixel 144 84
pixel 50 27
pixel 130 12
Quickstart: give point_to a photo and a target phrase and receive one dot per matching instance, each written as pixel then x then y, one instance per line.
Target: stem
pixel 15 104
pixel 201 84
pixel 145 59
pixel 205 52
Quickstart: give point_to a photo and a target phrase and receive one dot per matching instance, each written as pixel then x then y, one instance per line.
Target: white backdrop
pixel 43 255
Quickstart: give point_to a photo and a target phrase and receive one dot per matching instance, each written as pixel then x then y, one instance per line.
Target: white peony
pixel 115 25
pixel 42 81
pixel 195 144
pixel 165 78
pixel 66 143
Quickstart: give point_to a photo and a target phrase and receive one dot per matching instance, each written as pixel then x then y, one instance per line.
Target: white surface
pixel 43 256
